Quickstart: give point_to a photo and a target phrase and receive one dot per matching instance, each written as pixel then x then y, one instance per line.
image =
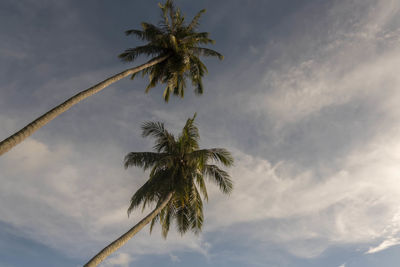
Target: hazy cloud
pixel 119 259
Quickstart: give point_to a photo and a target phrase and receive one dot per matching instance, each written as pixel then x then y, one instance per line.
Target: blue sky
pixel 306 99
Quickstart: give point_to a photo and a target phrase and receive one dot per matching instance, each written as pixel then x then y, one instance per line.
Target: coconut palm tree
pixel 176 182
pixel 175 48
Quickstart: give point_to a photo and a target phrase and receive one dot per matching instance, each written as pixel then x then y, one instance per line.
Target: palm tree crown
pixel 180 42
pixel 179 167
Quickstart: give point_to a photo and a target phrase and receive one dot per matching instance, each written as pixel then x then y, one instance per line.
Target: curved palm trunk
pixel 29 129
pixel 128 235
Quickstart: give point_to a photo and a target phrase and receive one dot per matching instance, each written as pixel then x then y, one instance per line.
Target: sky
pixel 306 99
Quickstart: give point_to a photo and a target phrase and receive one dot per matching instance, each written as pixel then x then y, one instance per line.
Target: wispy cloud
pixel 391 233
pixel 119 259
pixel 353 205
pixel 353 58
pixel 384 245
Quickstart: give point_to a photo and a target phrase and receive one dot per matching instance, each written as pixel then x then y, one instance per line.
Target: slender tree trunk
pixel 128 235
pixel 29 129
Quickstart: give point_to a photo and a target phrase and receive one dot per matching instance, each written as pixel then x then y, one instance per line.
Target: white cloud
pixel 119 259
pixel 384 245
pixel 354 58
pixel 391 235
pixel 307 213
pixel 299 96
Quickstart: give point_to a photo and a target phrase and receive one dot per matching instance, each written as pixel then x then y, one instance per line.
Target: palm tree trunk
pixel 29 129
pixel 128 235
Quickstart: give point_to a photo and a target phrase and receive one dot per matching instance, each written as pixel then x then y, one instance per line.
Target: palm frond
pixel 166 219
pixel 167 93
pixel 164 139
pixel 220 177
pixel 149 50
pixel 193 39
pixel 202 186
pixel 199 87
pixel 190 135
pixel 195 21
pixel 153 222
pixel 140 34
pixel 219 155
pixel 156 187
pixel 149 33
pixel 143 160
pixel 201 51
pixel 182 219
pixel 196 210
